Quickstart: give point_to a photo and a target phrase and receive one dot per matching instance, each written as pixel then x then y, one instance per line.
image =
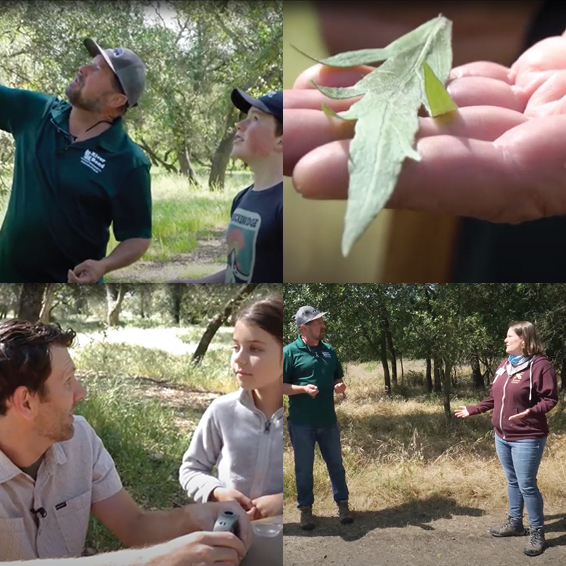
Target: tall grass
pixel 400 450
pixel 145 444
pixel 138 404
pixel 183 212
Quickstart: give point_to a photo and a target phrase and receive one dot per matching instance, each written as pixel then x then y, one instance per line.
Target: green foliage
pixel 387 115
pixel 456 322
pixel 125 360
pixel 195 54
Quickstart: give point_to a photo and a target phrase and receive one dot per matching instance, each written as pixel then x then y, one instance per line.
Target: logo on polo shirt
pixel 93 160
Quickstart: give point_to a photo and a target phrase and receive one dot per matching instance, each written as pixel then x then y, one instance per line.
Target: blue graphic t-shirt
pixel 255 237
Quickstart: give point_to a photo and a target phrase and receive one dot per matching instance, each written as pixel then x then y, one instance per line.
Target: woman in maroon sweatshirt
pixel 523 391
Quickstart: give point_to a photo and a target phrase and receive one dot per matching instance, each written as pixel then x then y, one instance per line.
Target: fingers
pixel 482 69
pixel 458 176
pixel 477 122
pixel 71 277
pixel 307 129
pixel 484 91
pixel 313 99
pixel 331 76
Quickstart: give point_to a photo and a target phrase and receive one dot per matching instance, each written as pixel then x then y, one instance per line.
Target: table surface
pixel 266 549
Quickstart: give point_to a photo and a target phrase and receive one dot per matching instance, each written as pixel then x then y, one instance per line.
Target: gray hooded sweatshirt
pixel 234 436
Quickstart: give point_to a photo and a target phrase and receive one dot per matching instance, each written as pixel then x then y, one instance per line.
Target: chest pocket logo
pixel 326 354
pixel 92 160
pixel 517 377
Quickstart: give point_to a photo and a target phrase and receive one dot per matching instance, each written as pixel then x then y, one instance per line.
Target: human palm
pixel 501 158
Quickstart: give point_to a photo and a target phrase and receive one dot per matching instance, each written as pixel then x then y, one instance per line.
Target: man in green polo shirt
pixel 312 374
pixel 76 173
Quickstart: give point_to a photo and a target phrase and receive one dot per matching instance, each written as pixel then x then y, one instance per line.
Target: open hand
pixel 461 412
pixel 500 158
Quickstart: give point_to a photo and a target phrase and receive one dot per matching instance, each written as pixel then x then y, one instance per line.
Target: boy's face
pixel 255 137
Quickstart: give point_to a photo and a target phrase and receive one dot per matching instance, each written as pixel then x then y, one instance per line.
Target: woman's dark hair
pixel 531 342
pixel 25 358
pixel 266 314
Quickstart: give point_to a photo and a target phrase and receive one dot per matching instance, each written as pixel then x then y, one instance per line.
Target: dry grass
pixel 399 450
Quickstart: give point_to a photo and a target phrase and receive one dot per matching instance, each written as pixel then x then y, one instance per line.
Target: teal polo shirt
pixel 303 365
pixel 66 196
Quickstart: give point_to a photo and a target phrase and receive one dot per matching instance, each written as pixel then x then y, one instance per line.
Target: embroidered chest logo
pixel 517 377
pixel 326 354
pixel 92 160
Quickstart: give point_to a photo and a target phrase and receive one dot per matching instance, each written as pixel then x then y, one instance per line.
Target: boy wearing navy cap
pixel 255 231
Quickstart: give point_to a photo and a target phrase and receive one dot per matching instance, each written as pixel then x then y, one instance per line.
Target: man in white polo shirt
pixel 55 472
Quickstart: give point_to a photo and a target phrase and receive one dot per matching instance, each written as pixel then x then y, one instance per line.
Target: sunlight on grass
pixel 398 450
pixel 146 447
pixel 183 212
pixel 146 435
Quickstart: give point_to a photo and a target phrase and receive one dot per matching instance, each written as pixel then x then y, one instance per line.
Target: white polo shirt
pixel 72 476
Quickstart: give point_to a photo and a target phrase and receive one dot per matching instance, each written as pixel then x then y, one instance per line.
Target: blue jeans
pixel 520 460
pixel 303 439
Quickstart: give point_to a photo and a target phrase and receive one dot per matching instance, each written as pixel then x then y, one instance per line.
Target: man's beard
pixel 56 431
pixel 76 99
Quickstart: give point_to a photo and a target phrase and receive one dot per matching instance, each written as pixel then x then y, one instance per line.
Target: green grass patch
pixel 145 444
pixel 125 360
pixel 183 212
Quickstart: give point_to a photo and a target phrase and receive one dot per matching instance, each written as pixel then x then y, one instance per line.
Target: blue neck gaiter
pixel 518 360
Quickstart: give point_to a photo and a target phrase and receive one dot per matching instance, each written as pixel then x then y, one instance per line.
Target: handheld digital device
pixel 227 522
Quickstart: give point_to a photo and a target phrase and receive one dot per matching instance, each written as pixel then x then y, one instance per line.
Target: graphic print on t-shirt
pixel 242 237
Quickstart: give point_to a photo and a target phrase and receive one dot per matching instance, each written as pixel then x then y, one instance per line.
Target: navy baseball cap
pixel 126 65
pixel 271 103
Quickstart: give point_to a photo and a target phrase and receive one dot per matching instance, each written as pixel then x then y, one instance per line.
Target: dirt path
pixel 204 260
pixel 418 535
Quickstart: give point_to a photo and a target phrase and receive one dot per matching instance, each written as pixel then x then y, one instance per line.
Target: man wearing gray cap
pixel 76 173
pixel 312 374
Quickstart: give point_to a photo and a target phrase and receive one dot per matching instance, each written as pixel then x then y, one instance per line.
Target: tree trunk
pixel 114 295
pixel 429 375
pixel 391 348
pixel 45 313
pixel 437 387
pixel 177 291
pixel 217 177
pixel 476 370
pixel 386 376
pixel 219 320
pixel 447 383
pixel 402 372
pixel 186 167
pixel 31 299
pixel 563 375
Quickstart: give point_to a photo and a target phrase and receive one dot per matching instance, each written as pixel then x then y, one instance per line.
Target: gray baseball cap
pixel 307 314
pixel 127 66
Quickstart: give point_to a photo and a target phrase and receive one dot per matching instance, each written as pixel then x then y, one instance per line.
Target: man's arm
pixel 291 389
pixel 135 527
pixel 205 548
pixel 125 253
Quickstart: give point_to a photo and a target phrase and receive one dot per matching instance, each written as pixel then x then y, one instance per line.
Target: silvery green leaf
pixel 387 116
